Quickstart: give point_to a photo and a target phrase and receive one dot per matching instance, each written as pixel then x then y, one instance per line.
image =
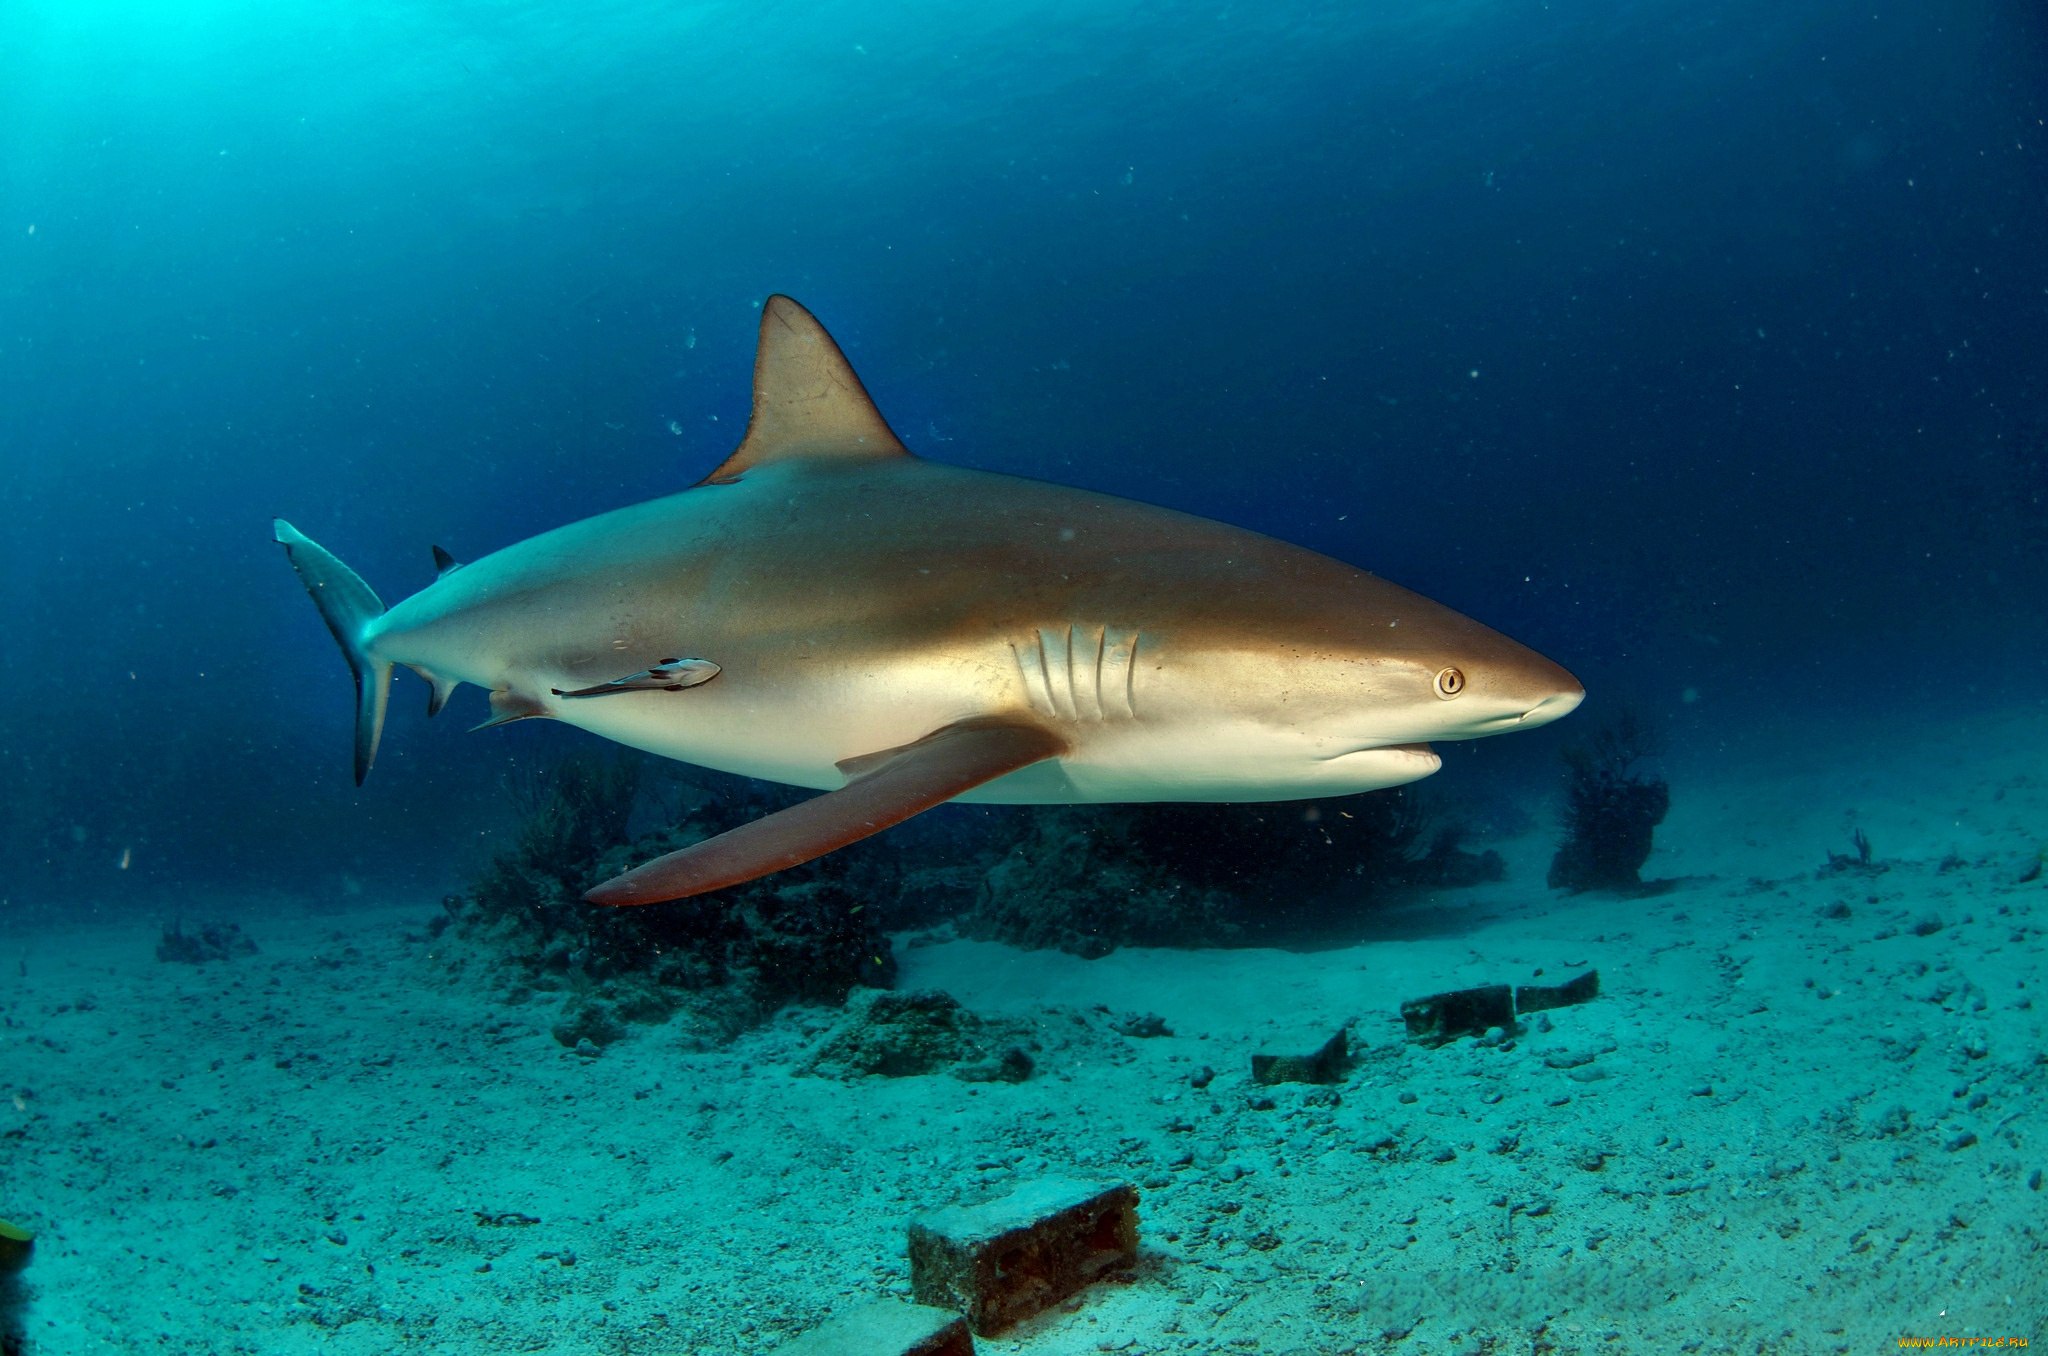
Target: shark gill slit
pixel 1131 676
pixel 1101 646
pixel 1073 681
pixel 1030 676
pixel 1050 667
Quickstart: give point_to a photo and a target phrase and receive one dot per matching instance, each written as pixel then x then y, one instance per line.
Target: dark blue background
pixel 1700 347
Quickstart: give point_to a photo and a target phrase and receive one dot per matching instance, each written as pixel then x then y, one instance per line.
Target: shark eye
pixel 1449 683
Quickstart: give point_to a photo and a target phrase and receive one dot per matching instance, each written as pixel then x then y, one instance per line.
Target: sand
pixel 1805 1115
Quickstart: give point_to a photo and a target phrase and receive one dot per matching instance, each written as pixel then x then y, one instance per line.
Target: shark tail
pixel 349 607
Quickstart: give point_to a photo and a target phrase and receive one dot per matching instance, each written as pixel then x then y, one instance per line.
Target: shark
pixel 828 610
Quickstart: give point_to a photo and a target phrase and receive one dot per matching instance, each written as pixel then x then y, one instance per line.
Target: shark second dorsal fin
pixel 808 404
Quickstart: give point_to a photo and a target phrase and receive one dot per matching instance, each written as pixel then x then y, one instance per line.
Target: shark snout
pixel 1520 693
pixel 1561 703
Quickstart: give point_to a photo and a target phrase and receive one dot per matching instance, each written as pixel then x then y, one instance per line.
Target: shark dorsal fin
pixel 808 404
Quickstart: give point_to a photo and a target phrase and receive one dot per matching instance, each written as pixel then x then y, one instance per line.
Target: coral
pixel 1862 862
pixel 895 1035
pixel 1611 812
pixel 1090 879
pixel 729 958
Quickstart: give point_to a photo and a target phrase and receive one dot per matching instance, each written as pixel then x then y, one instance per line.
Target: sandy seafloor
pixel 1777 1130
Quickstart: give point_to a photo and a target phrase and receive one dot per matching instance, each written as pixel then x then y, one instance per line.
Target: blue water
pixel 1701 347
pixel 1698 348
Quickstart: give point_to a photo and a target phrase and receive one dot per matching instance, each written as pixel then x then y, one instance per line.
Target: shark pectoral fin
pixel 889 788
pixel 508 706
pixel 808 404
pixel 670 675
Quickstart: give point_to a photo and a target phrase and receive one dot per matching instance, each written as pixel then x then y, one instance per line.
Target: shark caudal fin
pixel 348 606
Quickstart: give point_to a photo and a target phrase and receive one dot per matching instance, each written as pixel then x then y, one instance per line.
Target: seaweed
pixel 1611 810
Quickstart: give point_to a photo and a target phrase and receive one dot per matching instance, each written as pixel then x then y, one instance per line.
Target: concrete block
pixel 1307 1057
pixel 1444 1017
pixel 1007 1260
pixel 1578 989
pixel 886 1328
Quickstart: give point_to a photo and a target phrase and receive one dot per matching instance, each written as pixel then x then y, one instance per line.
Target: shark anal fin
pixel 508 706
pixel 889 788
pixel 441 689
pixel 808 404
pixel 670 675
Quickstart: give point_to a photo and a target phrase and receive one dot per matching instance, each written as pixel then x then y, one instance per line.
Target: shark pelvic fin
pixel 349 607
pixel 889 788
pixel 808 404
pixel 508 706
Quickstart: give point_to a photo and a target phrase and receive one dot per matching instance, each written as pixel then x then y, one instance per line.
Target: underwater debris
pixel 1011 1258
pixel 1317 1056
pixel 17 1247
pixel 1611 813
pixel 213 942
pixel 1443 1017
pixel 1539 997
pixel 887 1328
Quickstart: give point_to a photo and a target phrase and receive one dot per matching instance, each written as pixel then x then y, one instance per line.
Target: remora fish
pixel 826 609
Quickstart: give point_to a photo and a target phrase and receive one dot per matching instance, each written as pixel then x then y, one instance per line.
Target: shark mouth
pixel 1419 752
